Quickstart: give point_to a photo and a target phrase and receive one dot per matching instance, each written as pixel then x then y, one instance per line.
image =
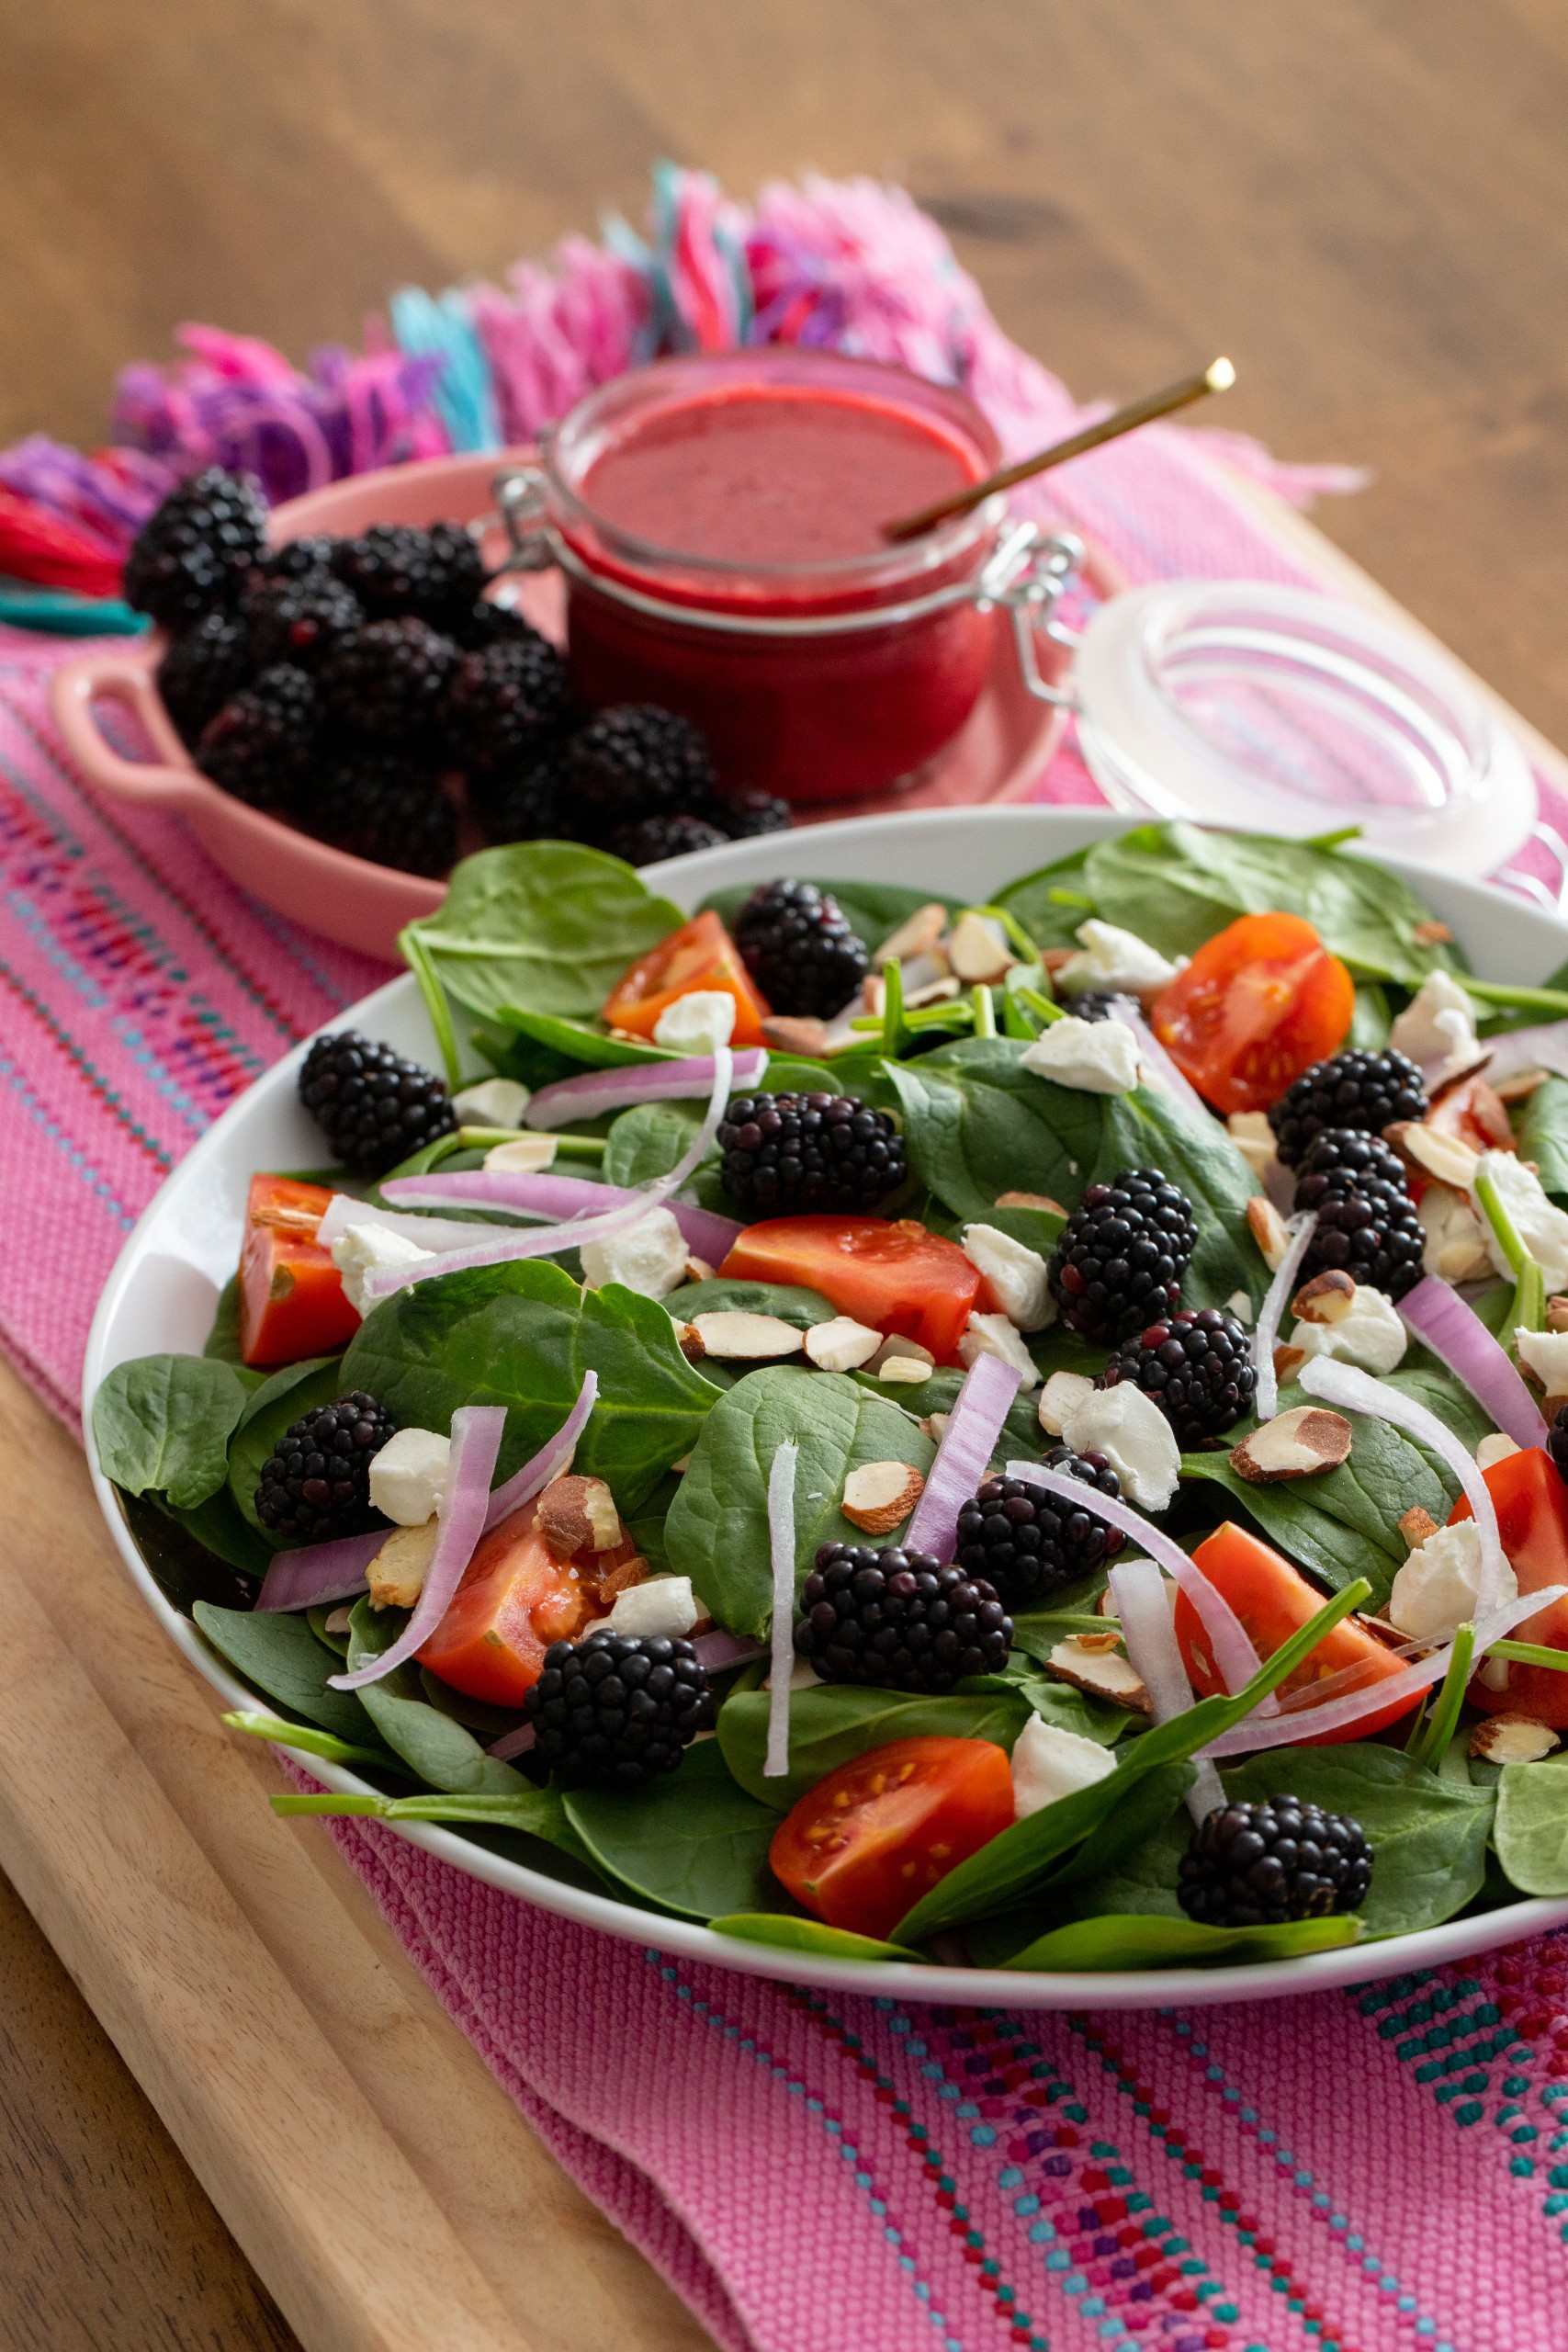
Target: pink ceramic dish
pixel 995 758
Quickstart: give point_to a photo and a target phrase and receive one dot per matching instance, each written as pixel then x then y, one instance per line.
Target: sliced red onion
pixel 1234 1656
pixel 512 1743
pixel 781 1539
pixel 1148 1635
pixel 549 1461
pixel 1449 1326
pixel 476 1443
pixel 974 1425
pixel 598 1091
pixel 431 1232
pixel 1341 1383
pixel 555 1197
pixel 719 1651
pixel 1542 1048
pixel 1271 1314
pixel 318 1573
pixel 1156 1063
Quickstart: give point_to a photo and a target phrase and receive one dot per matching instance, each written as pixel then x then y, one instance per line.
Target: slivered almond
pixel 903 1348
pixel 1521 1086
pixel 879 1496
pixel 1102 1673
pixel 396 1576
pixel 699 1271
pixel 1432 933
pixel 1030 1200
pixel 1052 958
pixel 578 1514
pixel 796 1033
pixel 976 952
pixel 732 1334
pixel 1098 1644
pixel 689 1339
pixel 1433 1153
pixel 1327 1298
pixel 842 1344
pixel 1416 1525
pixel 1297 1444
pixel 1288 1362
pixel 903 1371
pixel 1267 1229
pixel 916 935
pixel 1466 1260
pixel 1512 1739
pixel 1495 1449
pixel 1557 1312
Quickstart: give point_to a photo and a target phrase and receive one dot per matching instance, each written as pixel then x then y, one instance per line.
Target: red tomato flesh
pixel 868 1841
pixel 1272 1600
pixel 701 955
pixel 1258 1003
pixel 896 1277
pixel 514 1601
pixel 291 1296
pixel 1532 1519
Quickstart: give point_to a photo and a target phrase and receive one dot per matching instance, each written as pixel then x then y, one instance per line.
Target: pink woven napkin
pixel 1376 2171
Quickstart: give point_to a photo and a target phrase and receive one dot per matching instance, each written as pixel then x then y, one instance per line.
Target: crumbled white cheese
pixel 493 1102
pixel 1094 1057
pixel 1540 1225
pixel 1436 1589
pixel 660 1605
pixel 1048 1763
pixel 1546 1354
pixel 369 1247
pixel 408 1477
pixel 1061 1395
pixel 649 1256
pixel 842 1344
pixel 1015 1274
pixel 1456 1247
pixel 1371 1335
pixel 1437 1027
pixel 523 1156
pixel 697 1021
pixel 1135 1438
pixel 993 1335
pixel 1118 960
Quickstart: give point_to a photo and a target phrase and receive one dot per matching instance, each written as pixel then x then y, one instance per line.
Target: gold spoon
pixel 1217 378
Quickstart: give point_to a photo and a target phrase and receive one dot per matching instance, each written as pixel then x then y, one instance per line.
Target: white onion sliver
pixel 550 1459
pixel 476 1443
pixel 320 1572
pixel 1271 1314
pixel 1234 1656
pixel 430 1232
pixel 1148 1635
pixel 1450 1327
pixel 595 1091
pixel 516 1742
pixel 781 1538
pixel 1545 1047
pixel 980 1414
pixel 1341 1383
pixel 1156 1066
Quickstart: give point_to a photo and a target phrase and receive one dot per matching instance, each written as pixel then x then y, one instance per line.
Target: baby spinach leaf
pixel 1021 1430
pixel 829 1723
pixel 1144 1941
pixel 564 1045
pixel 494 1821
pixel 788 1301
pixel 646 1141
pixel 1543 1134
pixel 1059 1703
pixel 1032 900
pixel 1532 1825
pixel 786 1933
pixel 436 1749
pixel 219 1524
pixel 538 927
pixel 281 1655
pixel 161 1426
pixel 269 1410
pixel 523 1335
pixel 717 1527
pixel 308 1737
pixel 690 1841
pixel 223 1340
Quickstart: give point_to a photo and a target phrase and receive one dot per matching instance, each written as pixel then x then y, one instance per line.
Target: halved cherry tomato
pixel 514 1601
pixel 896 1277
pixel 701 955
pixel 1477 1114
pixel 291 1296
pixel 868 1841
pixel 1532 1520
pixel 1272 1599
pixel 1258 1003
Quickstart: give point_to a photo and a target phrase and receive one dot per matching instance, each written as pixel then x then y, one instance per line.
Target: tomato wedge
pixel 701 955
pixel 868 1841
pixel 514 1601
pixel 895 1276
pixel 1532 1520
pixel 291 1296
pixel 1258 1003
pixel 1272 1599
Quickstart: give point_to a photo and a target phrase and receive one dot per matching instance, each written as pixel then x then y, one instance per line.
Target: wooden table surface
pixel 1365 203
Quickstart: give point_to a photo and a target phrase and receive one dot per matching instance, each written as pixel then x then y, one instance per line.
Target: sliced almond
pixel 1030 1200
pixel 1052 958
pixel 879 1496
pixel 1327 1298
pixel 1521 1086
pixel 1102 1673
pixel 732 1335
pixel 1297 1444
pixel 526 1156
pixel 1557 1313
pixel 1416 1525
pixel 976 951
pixel 396 1576
pixel 1467 1261
pixel 934 1427
pixel 842 1344
pixel 1433 1153
pixel 1099 1644
pixel 903 1349
pixel 689 1339
pixel 1495 1449
pixel 922 986
pixel 1267 1229
pixel 578 1514
pixel 699 1271
pixel 1288 1362
pixel 796 1033
pixel 916 935
pixel 1512 1739
pixel 1061 1394
pixel 903 1372
pixel 1432 933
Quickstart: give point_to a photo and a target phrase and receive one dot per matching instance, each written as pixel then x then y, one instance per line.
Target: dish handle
pixel 167 781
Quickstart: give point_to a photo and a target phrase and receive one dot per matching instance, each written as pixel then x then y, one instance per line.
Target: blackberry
pixel 396 568
pixel 746 813
pixel 1365 1219
pixel 373 1106
pixel 298 621
pixel 1557 1441
pixel 614 1710
pixel 485 623
pixel 507 700
pixel 315 1484
pixel 297 558
pixel 521 804
pixel 1352 1089
pixel 1196 1367
pixel 792 1154
pixel 1259 1865
pixel 389 679
pixel 1091 1004
pixel 898 1619
pixel 196 549
pixel 258 745
pixel 635 761
pixel 375 804
pixel 1026 1544
pixel 664 836
pixel 796 943
pixel 201 670
pixel 1120 1257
